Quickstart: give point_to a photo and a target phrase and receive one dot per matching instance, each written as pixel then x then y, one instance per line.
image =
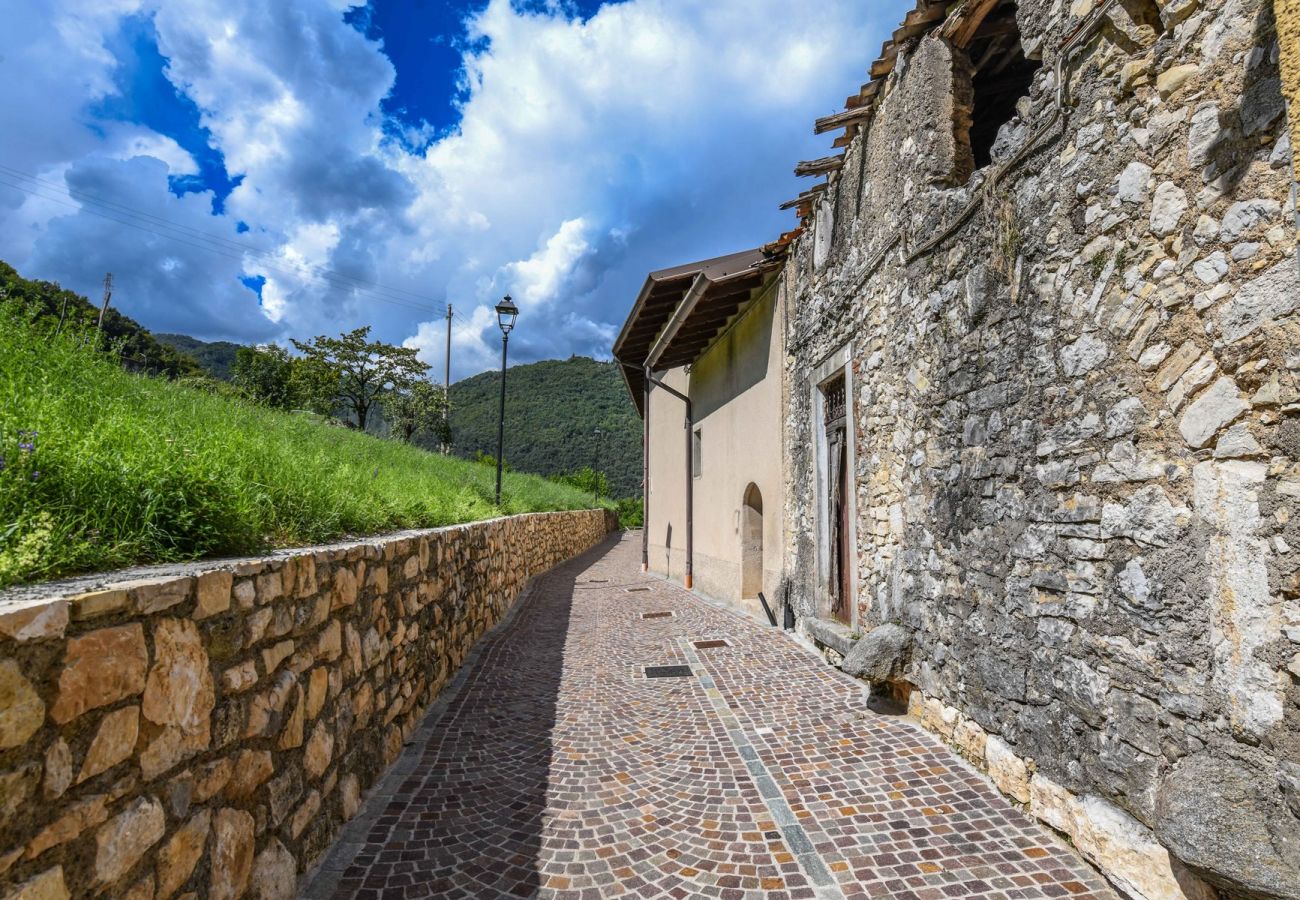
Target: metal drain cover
pixel 634 590
pixel 668 672
pixel 709 645
pixel 656 615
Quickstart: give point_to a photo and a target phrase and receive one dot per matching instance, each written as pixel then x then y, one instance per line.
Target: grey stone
pixel 1133 183
pixel 1229 824
pixel 1261 104
pixel 1214 408
pixel 1237 442
pixel 1168 208
pixel 1148 518
pixel 1211 269
pixel 1123 417
pixel 1245 215
pixel 1084 355
pixel 829 634
pixel 1204 135
pixel 881 655
pixel 1272 295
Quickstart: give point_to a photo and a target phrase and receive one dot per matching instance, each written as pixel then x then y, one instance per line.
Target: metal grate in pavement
pixel 710 645
pixel 657 615
pixel 668 672
pixel 636 590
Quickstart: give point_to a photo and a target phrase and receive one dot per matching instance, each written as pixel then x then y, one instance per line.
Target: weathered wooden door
pixel 843 552
pixel 839 581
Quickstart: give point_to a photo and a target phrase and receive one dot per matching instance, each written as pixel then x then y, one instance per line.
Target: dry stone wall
pixel 1076 424
pixel 206 733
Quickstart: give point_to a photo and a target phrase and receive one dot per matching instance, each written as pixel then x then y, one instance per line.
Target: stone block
pixel 33 620
pixel 232 854
pixel 1008 771
pixel 178 857
pixel 213 591
pixel 114 742
pixel 152 595
pixel 123 840
pixel 22 711
pixel 275 874
pixel 100 668
pixel 48 885
pixel 881 655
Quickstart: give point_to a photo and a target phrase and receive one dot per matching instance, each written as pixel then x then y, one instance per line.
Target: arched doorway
pixel 751 543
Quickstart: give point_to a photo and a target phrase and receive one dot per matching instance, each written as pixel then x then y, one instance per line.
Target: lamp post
pixel 506 313
pixel 595 481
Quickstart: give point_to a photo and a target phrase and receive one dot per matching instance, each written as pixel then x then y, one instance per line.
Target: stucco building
pixel 703 357
pixel 1039 419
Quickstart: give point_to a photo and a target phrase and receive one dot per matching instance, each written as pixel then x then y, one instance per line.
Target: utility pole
pixel 108 295
pixel 596 472
pixel 446 396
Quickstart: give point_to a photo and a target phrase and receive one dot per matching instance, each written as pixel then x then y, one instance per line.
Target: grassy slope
pixel 135 469
pixel 552 408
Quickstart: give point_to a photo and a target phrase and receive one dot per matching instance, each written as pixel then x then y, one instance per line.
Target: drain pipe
pixel 690 468
pixel 645 478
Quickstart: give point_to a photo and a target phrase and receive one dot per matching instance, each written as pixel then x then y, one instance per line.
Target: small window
pixel 697 444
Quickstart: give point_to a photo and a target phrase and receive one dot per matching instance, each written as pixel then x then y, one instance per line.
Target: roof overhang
pixel 680 311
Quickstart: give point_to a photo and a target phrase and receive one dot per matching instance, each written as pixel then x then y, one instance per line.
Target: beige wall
pixel 736 391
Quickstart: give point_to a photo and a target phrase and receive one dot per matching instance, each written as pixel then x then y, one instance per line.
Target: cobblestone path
pixel 558 769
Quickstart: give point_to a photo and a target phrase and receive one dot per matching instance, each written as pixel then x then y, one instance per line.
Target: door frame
pixel 831 368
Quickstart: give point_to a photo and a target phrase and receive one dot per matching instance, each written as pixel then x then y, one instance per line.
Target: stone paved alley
pixel 557 769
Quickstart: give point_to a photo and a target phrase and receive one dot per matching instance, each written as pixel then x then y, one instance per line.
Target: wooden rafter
pixel 823 166
pixel 841 119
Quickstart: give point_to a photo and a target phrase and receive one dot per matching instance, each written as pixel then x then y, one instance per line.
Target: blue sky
pixel 256 171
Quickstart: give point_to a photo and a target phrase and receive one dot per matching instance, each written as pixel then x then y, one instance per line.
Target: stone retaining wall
pixel 207 733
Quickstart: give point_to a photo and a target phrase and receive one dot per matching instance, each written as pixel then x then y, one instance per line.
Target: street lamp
pixel 596 471
pixel 506 314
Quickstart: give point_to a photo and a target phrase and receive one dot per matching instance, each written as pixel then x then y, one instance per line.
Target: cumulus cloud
pixel 588 152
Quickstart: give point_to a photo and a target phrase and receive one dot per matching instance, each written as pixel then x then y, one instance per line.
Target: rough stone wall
pixel 207 733
pixel 1077 424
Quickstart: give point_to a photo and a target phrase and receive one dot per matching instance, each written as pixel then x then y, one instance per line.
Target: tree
pixel 421 408
pixel 315 385
pixel 586 479
pixel 264 375
pixel 367 370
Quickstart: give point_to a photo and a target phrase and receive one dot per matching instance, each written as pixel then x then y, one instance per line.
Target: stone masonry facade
pixel 1075 413
pixel 206 733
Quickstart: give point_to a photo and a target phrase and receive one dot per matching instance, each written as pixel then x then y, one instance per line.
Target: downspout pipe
pixel 690 468
pixel 645 477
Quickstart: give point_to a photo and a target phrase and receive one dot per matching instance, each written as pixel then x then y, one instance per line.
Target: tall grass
pixel 103 468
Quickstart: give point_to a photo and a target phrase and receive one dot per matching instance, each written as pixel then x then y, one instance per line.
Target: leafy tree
pixel 264 374
pixel 587 479
pixel 315 385
pixel 367 369
pixel 419 409
pixel 631 512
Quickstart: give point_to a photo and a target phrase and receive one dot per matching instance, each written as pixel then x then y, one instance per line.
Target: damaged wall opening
pixel 1000 75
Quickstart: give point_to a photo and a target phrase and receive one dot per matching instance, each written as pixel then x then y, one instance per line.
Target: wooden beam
pixel 841 119
pixel 823 166
pixel 961 28
pixel 805 197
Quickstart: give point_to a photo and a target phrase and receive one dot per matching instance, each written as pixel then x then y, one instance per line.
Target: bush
pixel 102 468
pixel 631 512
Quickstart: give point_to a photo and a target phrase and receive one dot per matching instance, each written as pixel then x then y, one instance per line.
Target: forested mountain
pixel 55 309
pixel 553 408
pixel 216 357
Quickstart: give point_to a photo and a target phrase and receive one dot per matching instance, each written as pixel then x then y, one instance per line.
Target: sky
pixel 256 171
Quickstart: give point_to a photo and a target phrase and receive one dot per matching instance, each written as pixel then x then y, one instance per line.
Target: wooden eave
pixel 823 166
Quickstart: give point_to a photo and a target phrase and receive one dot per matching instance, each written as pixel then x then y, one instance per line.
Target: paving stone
pixel 558 770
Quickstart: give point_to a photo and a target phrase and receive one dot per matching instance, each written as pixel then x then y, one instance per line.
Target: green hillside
pixel 216 357
pixel 52 308
pixel 553 408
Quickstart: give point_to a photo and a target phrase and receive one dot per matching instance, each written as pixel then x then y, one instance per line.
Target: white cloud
pixel 587 153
